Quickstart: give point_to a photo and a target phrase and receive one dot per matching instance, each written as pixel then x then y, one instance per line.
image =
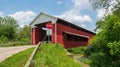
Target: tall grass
pixel 17 60
pixel 51 55
pixel 78 50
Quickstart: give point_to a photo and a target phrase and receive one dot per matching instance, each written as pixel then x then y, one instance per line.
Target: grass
pixel 17 60
pixel 80 51
pixel 77 50
pixel 51 55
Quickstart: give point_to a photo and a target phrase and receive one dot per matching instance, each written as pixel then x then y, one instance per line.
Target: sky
pixel 78 12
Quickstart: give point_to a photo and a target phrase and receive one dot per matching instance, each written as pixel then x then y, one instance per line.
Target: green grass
pixel 17 60
pixel 78 50
pixel 51 55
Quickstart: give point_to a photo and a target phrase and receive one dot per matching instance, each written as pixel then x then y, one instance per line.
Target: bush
pixel 78 50
pixel 105 46
pixel 24 40
pixel 3 39
pixel 114 48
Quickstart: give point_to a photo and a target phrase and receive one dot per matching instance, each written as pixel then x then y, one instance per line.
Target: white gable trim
pixel 42 17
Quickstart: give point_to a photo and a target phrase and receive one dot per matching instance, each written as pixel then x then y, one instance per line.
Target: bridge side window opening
pixel 71 37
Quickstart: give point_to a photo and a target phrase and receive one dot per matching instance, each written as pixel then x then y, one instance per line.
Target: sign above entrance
pixel 49 25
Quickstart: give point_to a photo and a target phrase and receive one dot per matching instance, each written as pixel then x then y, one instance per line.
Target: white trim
pixel 41 14
pixel 76 34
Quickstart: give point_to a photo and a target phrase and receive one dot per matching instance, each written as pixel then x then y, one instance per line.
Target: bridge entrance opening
pixel 45 34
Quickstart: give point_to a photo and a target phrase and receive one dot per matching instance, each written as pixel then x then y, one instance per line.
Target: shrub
pixel 77 50
pixel 24 40
pixel 3 39
pixel 105 46
pixel 114 48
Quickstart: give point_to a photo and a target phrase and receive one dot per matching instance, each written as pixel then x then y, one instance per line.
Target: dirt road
pixel 6 52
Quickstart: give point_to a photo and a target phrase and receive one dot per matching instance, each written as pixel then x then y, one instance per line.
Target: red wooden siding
pixel 35 35
pixel 53 33
pixel 68 44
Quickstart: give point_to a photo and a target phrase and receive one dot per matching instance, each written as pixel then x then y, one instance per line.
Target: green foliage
pixel 17 60
pixel 78 50
pixel 24 34
pixel 104 50
pixel 3 39
pixel 114 48
pixel 8 27
pixel 10 31
pixel 25 40
pixel 53 55
pixel 117 12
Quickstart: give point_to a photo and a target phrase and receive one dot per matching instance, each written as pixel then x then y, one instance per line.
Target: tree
pixel 105 46
pixel 104 50
pixel 25 34
pixel 105 3
pixel 8 27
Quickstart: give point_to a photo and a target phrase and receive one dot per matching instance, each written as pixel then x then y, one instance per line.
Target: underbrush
pixel 53 55
pixel 77 50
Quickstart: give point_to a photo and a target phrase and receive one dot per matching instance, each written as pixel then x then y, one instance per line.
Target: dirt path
pixel 6 52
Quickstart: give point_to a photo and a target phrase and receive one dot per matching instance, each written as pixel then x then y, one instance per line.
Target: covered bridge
pixel 49 28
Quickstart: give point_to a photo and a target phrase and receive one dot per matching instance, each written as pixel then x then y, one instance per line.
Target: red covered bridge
pixel 48 28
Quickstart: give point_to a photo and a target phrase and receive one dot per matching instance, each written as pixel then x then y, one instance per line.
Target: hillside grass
pixel 53 55
pixel 17 60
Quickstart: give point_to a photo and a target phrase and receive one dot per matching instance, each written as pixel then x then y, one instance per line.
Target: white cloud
pixel 81 4
pixel 100 13
pixel 1 14
pixel 74 15
pixel 75 18
pixel 84 26
pixel 23 17
pixel 59 2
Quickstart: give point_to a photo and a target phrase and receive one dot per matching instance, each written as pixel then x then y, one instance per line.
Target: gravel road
pixel 6 52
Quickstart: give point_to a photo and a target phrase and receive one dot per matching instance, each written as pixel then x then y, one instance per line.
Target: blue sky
pixel 79 12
